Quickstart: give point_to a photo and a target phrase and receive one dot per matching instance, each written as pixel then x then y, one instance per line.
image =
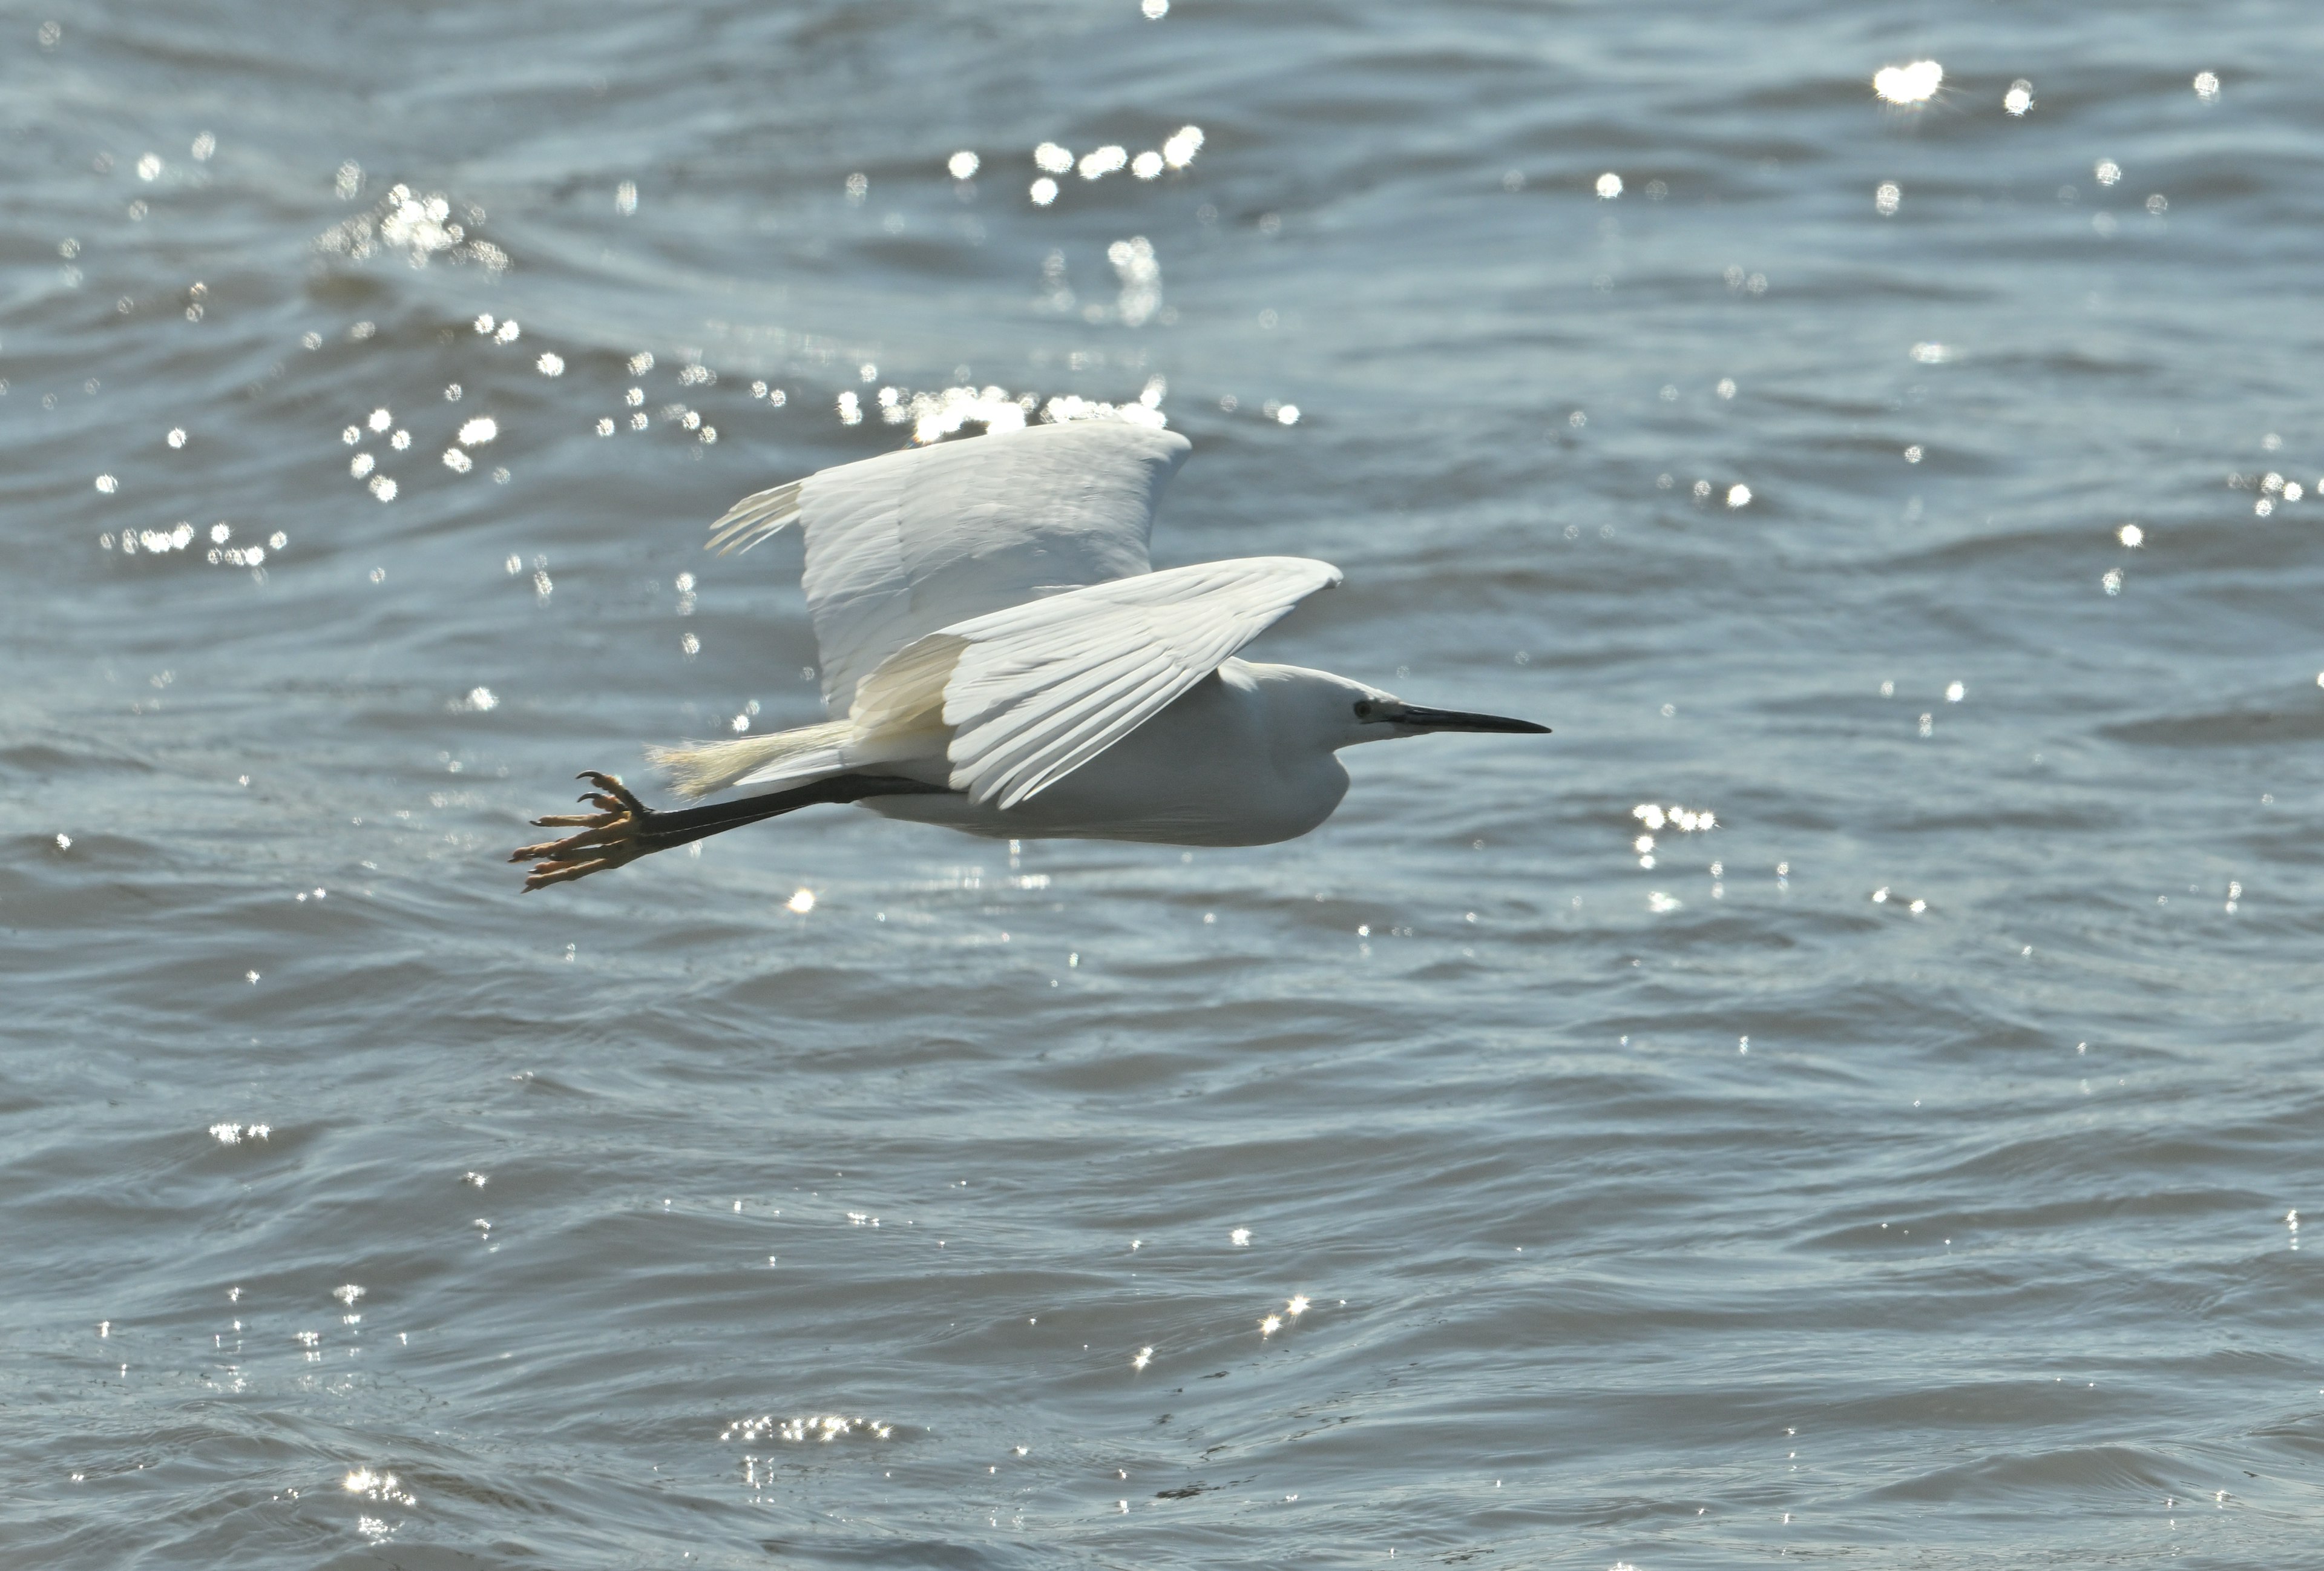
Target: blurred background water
pixel 1851 1095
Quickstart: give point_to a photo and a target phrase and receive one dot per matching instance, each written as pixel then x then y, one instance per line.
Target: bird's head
pixel 1377 716
pixel 1350 712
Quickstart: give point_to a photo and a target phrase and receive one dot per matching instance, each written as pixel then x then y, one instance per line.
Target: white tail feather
pixel 810 753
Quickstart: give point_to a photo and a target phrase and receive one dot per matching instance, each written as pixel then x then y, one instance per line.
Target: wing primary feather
pixel 1037 776
pixel 756 517
pixel 997 758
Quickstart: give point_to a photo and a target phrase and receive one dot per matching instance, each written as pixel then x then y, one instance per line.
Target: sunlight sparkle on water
pixel 376 1485
pixel 825 1428
pixel 1910 86
pixel 938 415
pixel 1179 149
pixel 2020 96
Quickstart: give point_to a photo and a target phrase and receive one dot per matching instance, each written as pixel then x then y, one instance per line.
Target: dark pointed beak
pixel 1417 718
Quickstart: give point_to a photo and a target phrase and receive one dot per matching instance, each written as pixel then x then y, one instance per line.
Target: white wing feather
pixel 910 542
pixel 1038 690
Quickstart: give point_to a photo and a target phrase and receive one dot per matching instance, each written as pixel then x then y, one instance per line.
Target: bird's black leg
pixel 624 829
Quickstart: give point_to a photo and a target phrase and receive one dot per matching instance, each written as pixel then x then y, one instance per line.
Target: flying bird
pixel 1003 659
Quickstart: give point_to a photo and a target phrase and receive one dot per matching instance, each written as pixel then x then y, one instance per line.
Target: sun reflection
pixel 2020 96
pixel 419 225
pixel 825 1428
pixel 1910 85
pixel 1142 280
pixel 375 1486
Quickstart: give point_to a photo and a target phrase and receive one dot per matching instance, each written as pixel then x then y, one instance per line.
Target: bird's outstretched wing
pixel 1035 691
pixel 909 542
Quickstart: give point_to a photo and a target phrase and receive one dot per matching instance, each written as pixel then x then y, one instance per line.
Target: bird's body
pixel 1230 762
pixel 1001 658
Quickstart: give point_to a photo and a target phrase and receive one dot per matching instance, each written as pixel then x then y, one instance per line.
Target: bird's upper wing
pixel 908 543
pixel 1034 692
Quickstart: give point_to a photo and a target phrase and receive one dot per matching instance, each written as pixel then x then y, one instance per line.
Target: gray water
pixel 1902 1166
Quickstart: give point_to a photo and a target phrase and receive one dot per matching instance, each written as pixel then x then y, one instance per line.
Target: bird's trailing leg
pixel 624 829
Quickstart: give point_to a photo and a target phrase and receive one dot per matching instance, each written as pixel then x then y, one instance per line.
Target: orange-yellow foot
pixel 617 833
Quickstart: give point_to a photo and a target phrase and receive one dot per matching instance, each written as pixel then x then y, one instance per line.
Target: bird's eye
pixel 1364 709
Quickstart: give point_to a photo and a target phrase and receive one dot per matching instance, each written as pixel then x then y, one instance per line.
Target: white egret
pixel 1005 662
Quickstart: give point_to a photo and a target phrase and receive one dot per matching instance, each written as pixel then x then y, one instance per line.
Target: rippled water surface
pixel 1904 1165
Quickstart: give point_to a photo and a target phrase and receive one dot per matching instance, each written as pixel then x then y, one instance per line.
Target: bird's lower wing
pixel 1038 690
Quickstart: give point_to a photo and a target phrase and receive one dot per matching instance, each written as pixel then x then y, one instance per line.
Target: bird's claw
pixel 609 837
